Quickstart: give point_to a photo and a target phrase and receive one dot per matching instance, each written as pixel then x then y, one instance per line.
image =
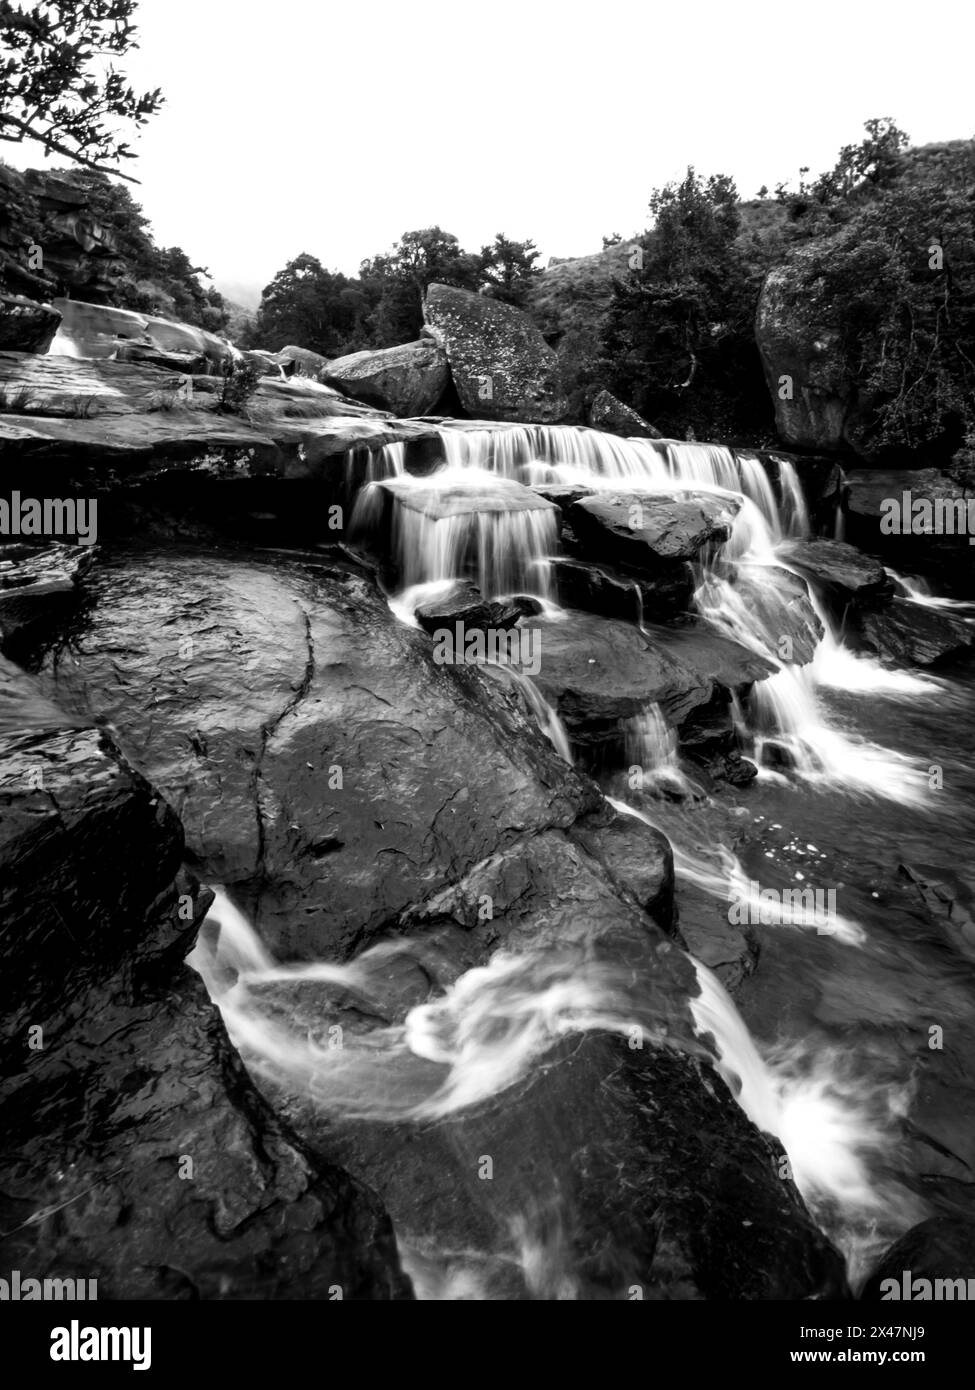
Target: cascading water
pixel 650 748
pixel 489 1028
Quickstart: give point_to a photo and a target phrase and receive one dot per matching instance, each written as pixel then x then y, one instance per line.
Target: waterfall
pixel 464 522
pixel 835 1127
pixel 650 750
pixel 476 517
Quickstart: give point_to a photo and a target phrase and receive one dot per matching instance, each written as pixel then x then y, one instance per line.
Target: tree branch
pixel 28 133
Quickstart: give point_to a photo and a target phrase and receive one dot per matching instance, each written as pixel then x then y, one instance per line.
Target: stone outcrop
pixel 500 364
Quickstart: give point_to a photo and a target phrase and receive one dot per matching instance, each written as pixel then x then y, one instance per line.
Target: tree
pixel 508 269
pixel 679 345
pixel 399 280
pixel 54 85
pixel 311 307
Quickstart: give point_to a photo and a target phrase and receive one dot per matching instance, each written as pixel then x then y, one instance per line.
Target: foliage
pixel 507 269
pixel 307 306
pixel 894 275
pixel 333 314
pixel 240 381
pixel 678 344
pixel 397 281
pixel 57 81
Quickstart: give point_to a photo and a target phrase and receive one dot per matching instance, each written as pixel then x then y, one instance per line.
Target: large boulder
pixel 913 634
pixel 803 361
pixel 648 531
pixel 842 571
pixel 501 365
pixel 302 362
pixel 408 380
pixel 608 413
pixel 137 1152
pixel 25 325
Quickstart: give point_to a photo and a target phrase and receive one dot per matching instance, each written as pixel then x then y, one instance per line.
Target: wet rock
pixel 608 413
pixel 621 1167
pixel 715 658
pixel 325 769
pixel 600 671
pixel 911 634
pixel 938 1250
pixel 25 325
pixel 601 588
pixel 637 858
pixel 408 380
pixel 138 1153
pixel 38 589
pixel 650 530
pixel 781 599
pixel 462 602
pixel 499 362
pixel 845 574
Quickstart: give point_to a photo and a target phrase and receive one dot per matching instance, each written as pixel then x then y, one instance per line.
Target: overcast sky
pixel 332 129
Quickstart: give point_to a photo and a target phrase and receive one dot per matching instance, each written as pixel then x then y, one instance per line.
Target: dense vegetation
pixel 331 313
pixel 880 250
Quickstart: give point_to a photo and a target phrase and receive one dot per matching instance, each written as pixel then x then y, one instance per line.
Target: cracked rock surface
pixel 135 1148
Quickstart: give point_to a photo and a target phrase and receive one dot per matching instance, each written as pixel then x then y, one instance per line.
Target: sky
pixel 326 128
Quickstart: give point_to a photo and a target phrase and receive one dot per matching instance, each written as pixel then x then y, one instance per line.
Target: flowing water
pixel 827 1046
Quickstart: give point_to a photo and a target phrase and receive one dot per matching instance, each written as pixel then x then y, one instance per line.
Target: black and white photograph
pixel 487 675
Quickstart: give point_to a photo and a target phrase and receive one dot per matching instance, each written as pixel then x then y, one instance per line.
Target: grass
pixel 15 400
